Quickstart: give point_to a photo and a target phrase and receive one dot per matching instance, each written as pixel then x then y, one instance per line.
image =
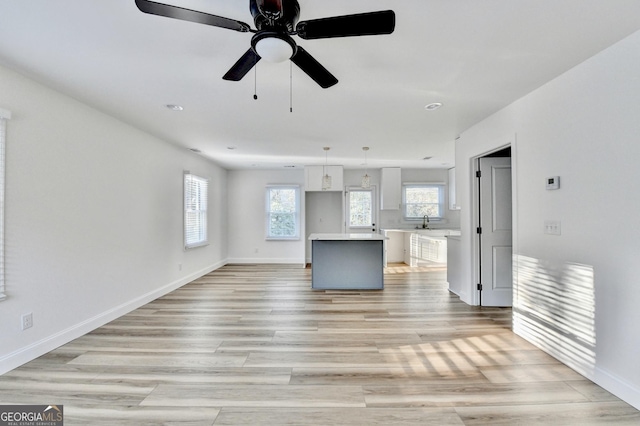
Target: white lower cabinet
pixel 417 248
pixel 421 249
pixel 394 247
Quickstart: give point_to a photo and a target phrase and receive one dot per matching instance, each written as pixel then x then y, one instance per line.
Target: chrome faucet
pixel 425 222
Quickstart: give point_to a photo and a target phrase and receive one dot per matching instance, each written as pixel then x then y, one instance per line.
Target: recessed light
pixel 196 150
pixel 231 148
pixel 427 158
pixel 432 107
pixel 174 107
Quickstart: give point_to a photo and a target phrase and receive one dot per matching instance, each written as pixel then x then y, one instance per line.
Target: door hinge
pixel 479 287
pixel 478 174
pixel 479 230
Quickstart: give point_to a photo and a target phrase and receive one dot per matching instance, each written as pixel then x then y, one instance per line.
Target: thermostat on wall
pixel 553 182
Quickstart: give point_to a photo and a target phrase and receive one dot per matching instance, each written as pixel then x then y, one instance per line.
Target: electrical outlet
pixel 552 227
pixel 27 321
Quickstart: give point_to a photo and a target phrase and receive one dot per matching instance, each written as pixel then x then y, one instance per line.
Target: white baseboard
pixel 617 386
pixel 252 260
pixel 41 347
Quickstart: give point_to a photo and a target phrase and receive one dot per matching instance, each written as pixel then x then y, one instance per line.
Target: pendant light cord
pixel 290 86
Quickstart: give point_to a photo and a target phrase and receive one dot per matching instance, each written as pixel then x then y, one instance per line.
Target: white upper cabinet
pixel 313 178
pixel 391 188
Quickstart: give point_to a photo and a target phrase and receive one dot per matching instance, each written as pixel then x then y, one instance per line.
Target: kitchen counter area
pixel 347 261
pixel 417 247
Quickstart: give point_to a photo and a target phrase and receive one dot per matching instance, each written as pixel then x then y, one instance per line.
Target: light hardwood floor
pixel 254 345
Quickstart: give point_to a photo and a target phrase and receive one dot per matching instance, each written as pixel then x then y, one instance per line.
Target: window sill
pixel 192 246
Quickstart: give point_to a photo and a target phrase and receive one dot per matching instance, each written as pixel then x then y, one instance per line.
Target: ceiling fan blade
pixel 243 66
pixel 313 68
pixel 183 14
pixel 371 23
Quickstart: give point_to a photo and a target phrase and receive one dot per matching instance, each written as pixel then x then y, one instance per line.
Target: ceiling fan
pixel 276 21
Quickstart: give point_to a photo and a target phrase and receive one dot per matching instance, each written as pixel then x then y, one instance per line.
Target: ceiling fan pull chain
pixel 290 86
pixel 255 80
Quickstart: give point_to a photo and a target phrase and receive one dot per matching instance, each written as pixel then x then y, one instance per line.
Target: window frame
pixel 371 191
pixel 5 116
pixel 268 213
pixel 440 186
pixel 191 182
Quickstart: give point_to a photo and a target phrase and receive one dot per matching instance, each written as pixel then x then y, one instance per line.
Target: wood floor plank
pixel 583 414
pixel 106 415
pixel 338 416
pixel 179 359
pixel 286 396
pixel 473 394
pixel 254 345
pixel 407 375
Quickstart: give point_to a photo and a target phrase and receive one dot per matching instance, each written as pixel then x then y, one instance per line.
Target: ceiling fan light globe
pixel 274 49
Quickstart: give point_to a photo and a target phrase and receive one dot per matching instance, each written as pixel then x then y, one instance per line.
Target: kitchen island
pixel 347 261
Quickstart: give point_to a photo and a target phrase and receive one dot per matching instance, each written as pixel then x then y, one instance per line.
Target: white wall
pixel 247 217
pixel 324 214
pixel 93 219
pixel 575 295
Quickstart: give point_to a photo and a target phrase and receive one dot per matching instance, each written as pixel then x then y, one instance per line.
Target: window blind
pixel 196 191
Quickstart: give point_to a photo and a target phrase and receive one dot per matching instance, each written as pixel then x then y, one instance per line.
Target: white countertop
pixel 436 232
pixel 347 237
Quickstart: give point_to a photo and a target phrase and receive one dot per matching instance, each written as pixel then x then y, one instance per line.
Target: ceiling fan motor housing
pixel 276 15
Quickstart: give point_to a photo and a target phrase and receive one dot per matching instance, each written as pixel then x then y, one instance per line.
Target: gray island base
pixel 347 261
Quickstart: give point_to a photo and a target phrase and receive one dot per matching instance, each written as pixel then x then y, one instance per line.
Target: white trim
pixel 617 386
pixel 442 187
pixel 4 115
pixel 203 200
pixel 298 213
pixel 270 261
pixel 42 346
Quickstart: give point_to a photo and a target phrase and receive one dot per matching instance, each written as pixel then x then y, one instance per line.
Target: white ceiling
pixel 474 56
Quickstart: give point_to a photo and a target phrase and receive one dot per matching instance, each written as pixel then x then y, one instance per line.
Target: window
pixel 360 208
pixel 4 116
pixel 283 213
pixel 420 199
pixel 195 210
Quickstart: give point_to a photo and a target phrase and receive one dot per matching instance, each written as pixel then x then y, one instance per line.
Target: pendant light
pixel 366 179
pixel 326 179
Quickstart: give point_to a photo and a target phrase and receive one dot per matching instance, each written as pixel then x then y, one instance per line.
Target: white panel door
pixel 496 232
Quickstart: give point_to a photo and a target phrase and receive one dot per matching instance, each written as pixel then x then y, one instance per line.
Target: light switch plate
pixel 552 227
pixel 553 182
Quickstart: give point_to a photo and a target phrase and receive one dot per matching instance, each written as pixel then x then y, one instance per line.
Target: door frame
pixel 374 209
pixel 475 214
